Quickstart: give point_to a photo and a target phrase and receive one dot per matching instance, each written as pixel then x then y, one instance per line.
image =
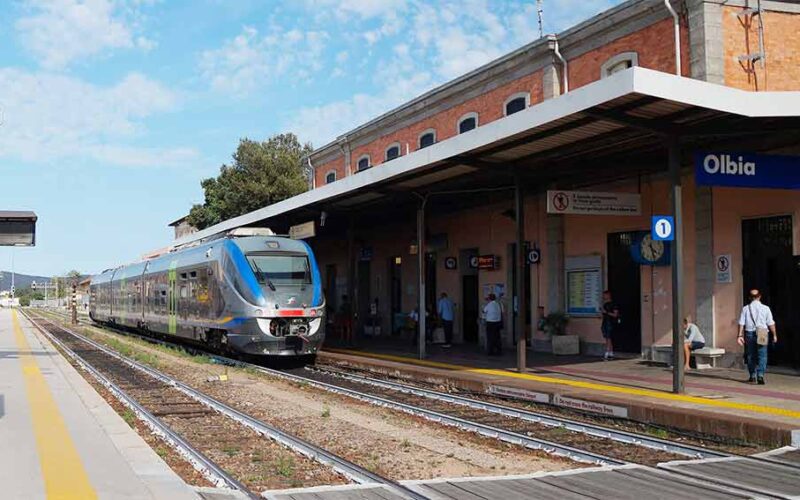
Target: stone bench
pixel 707 357
pixel 704 358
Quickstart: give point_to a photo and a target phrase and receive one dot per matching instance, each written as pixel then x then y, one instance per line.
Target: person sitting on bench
pixel 693 340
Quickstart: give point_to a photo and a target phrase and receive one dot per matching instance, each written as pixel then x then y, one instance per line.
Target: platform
pixel 717 401
pixel 60 438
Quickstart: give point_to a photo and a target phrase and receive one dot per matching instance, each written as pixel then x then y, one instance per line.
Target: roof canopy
pixel 606 130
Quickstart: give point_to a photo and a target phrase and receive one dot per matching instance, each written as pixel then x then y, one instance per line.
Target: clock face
pixel 651 250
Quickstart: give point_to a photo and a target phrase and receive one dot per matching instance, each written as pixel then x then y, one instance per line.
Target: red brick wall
pixel 321 171
pixel 782 45
pixel 489 107
pixel 655 46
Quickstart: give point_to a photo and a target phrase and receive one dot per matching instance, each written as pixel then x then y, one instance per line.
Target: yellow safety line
pixel 583 385
pixel 63 472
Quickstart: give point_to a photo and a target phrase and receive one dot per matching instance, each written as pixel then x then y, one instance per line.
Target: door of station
pixel 624 283
pixel 769 266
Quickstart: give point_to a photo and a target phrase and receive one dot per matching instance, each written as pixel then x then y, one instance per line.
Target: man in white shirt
pixel 756 316
pixel 444 309
pixel 493 314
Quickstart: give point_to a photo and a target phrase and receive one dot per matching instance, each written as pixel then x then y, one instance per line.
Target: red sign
pixel 489 262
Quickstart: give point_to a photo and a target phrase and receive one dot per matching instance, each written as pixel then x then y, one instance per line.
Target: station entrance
pixel 768 265
pixel 624 283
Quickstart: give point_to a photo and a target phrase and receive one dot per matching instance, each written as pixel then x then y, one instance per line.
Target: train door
pixel 470 295
pixel 624 283
pixel 769 266
pixel 172 298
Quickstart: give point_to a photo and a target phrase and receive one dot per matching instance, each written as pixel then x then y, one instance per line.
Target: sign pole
pixel 520 257
pixel 677 266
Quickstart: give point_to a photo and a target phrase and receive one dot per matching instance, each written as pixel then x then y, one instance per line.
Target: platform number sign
pixel 663 228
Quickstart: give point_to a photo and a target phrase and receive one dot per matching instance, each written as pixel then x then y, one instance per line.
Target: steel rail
pixel 483 429
pixel 535 417
pixel 343 466
pixel 590 429
pixel 208 468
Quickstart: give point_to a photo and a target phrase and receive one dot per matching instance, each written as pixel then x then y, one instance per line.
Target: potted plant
pixel 555 326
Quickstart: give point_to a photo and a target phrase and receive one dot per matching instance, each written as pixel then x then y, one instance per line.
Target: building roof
pixel 17 214
pixel 177 222
pixel 598 127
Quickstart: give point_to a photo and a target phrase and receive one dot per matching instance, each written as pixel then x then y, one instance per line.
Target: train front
pixel 285 310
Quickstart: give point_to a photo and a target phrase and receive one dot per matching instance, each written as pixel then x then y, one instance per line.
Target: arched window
pixel 427 138
pixel 330 177
pixel 467 122
pixel 516 103
pixel 393 151
pixel 619 62
pixel 363 163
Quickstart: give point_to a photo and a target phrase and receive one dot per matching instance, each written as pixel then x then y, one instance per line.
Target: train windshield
pixel 280 269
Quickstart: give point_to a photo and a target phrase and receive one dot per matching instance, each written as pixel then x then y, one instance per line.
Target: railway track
pixel 513 425
pixel 159 398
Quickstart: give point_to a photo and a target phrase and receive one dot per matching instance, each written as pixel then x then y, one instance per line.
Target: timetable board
pixel 584 283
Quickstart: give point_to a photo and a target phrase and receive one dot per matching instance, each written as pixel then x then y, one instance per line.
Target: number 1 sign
pixel 663 228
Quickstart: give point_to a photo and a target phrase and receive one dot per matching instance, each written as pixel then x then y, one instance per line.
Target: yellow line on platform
pixel 631 391
pixel 62 470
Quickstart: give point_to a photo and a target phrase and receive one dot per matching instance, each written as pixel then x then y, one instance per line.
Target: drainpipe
pixel 344 147
pixel 312 178
pixel 565 83
pixel 677 23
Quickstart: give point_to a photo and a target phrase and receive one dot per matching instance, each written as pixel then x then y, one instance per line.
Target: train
pixel 247 292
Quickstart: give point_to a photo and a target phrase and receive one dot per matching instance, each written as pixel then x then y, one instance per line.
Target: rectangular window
pixel 280 269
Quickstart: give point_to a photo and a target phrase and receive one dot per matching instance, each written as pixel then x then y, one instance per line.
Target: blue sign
pixel 662 228
pixel 747 170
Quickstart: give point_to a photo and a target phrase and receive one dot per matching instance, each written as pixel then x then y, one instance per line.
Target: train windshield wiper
pixel 264 275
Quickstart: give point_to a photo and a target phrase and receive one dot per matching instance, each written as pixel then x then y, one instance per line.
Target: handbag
pixel 762 334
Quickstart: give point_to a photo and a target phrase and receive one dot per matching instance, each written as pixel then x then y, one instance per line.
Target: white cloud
pixel 50 117
pixel 59 32
pixel 251 60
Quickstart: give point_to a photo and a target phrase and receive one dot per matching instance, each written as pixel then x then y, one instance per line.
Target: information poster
pixel 583 291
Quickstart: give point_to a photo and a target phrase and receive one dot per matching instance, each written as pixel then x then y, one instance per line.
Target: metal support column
pixel 351 275
pixel 522 300
pixel 677 265
pixel 421 266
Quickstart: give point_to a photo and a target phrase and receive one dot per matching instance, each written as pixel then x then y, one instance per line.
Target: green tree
pixel 262 173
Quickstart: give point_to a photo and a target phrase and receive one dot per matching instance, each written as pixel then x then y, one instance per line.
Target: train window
pixel 280 269
pixel 183 276
pixel 193 274
pixel 184 292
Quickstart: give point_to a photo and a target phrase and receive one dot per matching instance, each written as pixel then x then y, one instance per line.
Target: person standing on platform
pixel 493 314
pixel 346 320
pixel 444 309
pixel 693 340
pixel 611 319
pixel 756 325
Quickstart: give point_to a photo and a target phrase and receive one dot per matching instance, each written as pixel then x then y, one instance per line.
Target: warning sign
pixel 723 266
pixel 593 203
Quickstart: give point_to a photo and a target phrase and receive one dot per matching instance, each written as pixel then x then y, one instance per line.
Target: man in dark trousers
pixel 610 320
pixel 444 309
pixel 493 314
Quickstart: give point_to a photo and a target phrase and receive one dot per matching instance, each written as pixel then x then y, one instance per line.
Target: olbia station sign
pixel 747 170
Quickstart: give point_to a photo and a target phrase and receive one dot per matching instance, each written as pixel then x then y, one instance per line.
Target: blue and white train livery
pixel 257 295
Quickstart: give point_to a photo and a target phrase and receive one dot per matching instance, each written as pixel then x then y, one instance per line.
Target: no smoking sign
pixel 723 268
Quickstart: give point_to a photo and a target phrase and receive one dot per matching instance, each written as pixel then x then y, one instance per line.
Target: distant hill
pixel 20 280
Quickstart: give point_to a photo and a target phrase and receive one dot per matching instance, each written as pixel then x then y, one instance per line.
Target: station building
pixel 594 116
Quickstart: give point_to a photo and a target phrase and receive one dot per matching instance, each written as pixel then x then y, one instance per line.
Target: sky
pixel 112 112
